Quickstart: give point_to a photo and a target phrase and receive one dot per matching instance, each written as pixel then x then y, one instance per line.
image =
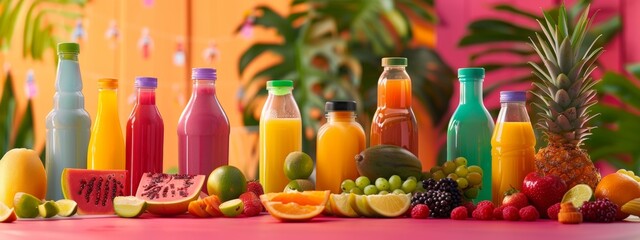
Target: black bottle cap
pixel 336 106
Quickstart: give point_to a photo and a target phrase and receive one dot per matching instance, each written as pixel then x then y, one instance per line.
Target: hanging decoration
pixel 78 32
pixel 30 87
pixel 145 43
pixel 246 31
pixel 179 56
pixel 211 54
pixel 112 34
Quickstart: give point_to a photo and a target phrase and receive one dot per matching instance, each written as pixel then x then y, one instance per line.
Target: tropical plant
pixel 39 33
pixel 332 49
pixel 616 139
pixel 11 137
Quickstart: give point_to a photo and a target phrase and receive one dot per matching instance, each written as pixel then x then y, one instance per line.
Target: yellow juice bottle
pixel 339 141
pixel 512 145
pixel 106 145
pixel 280 134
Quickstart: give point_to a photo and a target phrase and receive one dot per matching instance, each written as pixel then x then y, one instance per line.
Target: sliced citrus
pixel 67 207
pixel 295 206
pixel 293 211
pixel 359 205
pixel 341 207
pixel 577 195
pixel 390 205
pixel 48 209
pixel 7 214
pixel 129 207
pixel 327 209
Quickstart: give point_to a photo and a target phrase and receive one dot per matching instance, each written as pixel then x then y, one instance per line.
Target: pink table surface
pixel 325 228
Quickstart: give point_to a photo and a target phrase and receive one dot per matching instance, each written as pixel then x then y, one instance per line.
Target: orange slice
pixel 295 206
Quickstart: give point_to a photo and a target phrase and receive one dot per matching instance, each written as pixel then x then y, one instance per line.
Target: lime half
pixel 129 207
pixel 48 209
pixel 577 195
pixel 67 208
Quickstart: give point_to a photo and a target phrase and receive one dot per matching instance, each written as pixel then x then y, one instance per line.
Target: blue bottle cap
pixel 513 96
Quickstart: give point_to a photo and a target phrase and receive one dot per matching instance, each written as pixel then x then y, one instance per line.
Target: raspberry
pixel 552 212
pixel 483 213
pixel 529 213
pixel 459 213
pixel 511 213
pixel 255 187
pixel 470 207
pixel 420 211
pixel 252 204
pixel 497 213
pixel 601 210
pixel 485 203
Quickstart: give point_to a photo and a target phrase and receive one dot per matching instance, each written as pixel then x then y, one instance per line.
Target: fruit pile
pixel 298 167
pixel 382 186
pixel 28 206
pixel 468 178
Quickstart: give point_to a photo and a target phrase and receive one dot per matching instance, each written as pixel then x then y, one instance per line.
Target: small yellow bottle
pixel 106 146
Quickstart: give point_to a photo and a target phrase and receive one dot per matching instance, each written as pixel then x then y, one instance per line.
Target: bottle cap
pixel 340 106
pixel 279 83
pixel 471 73
pixel 513 96
pixel 110 83
pixel 394 61
pixel 204 74
pixel 68 48
pixel 146 82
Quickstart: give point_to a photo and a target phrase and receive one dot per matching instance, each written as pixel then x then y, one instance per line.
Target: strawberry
pixel 515 198
pixel 252 204
pixel 543 191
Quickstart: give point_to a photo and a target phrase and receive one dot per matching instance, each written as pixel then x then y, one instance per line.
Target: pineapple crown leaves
pixel 566 88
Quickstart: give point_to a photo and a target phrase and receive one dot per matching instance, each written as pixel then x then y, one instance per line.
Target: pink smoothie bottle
pixel 145 134
pixel 203 129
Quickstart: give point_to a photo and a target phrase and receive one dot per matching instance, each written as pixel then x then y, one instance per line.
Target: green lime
pixel 226 182
pixel 48 209
pixel 232 208
pixel 67 208
pixel 129 207
pixel 577 195
pixel 298 165
pixel 300 185
pixel 26 205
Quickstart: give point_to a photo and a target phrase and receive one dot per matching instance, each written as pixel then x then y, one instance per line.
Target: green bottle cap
pixel 279 83
pixel 394 61
pixel 471 73
pixel 68 48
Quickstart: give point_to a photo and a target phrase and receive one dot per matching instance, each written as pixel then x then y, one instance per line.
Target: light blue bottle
pixel 68 124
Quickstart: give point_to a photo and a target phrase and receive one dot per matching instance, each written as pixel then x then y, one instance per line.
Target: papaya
pixel 384 161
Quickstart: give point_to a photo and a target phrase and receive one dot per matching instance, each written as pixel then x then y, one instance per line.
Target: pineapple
pixel 567 94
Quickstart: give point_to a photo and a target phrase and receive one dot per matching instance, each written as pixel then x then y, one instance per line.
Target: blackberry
pixel 600 210
pixel 441 197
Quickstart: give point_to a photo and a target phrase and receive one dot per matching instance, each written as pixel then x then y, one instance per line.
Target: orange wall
pixel 167 20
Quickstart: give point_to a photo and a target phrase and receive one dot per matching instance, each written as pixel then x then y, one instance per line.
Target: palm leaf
pixel 7 110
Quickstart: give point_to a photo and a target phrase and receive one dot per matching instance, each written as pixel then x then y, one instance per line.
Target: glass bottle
pixel 68 124
pixel 470 128
pixel 106 146
pixel 280 134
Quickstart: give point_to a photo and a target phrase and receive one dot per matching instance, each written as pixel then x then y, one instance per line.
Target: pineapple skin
pixel 570 163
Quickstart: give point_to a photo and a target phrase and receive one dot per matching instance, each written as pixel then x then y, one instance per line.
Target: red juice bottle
pixel 203 129
pixel 145 134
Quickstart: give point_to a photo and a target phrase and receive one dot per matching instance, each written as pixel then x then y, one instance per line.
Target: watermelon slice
pixel 169 194
pixel 93 190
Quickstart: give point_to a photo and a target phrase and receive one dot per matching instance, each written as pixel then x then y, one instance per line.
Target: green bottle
pixel 471 126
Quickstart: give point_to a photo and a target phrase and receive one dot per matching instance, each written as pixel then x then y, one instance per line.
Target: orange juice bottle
pixel 280 134
pixel 339 141
pixel 106 145
pixel 512 145
pixel 394 122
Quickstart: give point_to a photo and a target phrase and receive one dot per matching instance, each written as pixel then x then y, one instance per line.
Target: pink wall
pixel 455 15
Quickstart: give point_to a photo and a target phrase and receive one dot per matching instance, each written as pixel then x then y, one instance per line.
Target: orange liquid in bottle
pixel 394 122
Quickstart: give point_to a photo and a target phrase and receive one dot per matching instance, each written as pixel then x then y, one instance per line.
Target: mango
pixel 21 171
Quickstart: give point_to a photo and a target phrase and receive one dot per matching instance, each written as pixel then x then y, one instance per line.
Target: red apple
pixel 543 191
